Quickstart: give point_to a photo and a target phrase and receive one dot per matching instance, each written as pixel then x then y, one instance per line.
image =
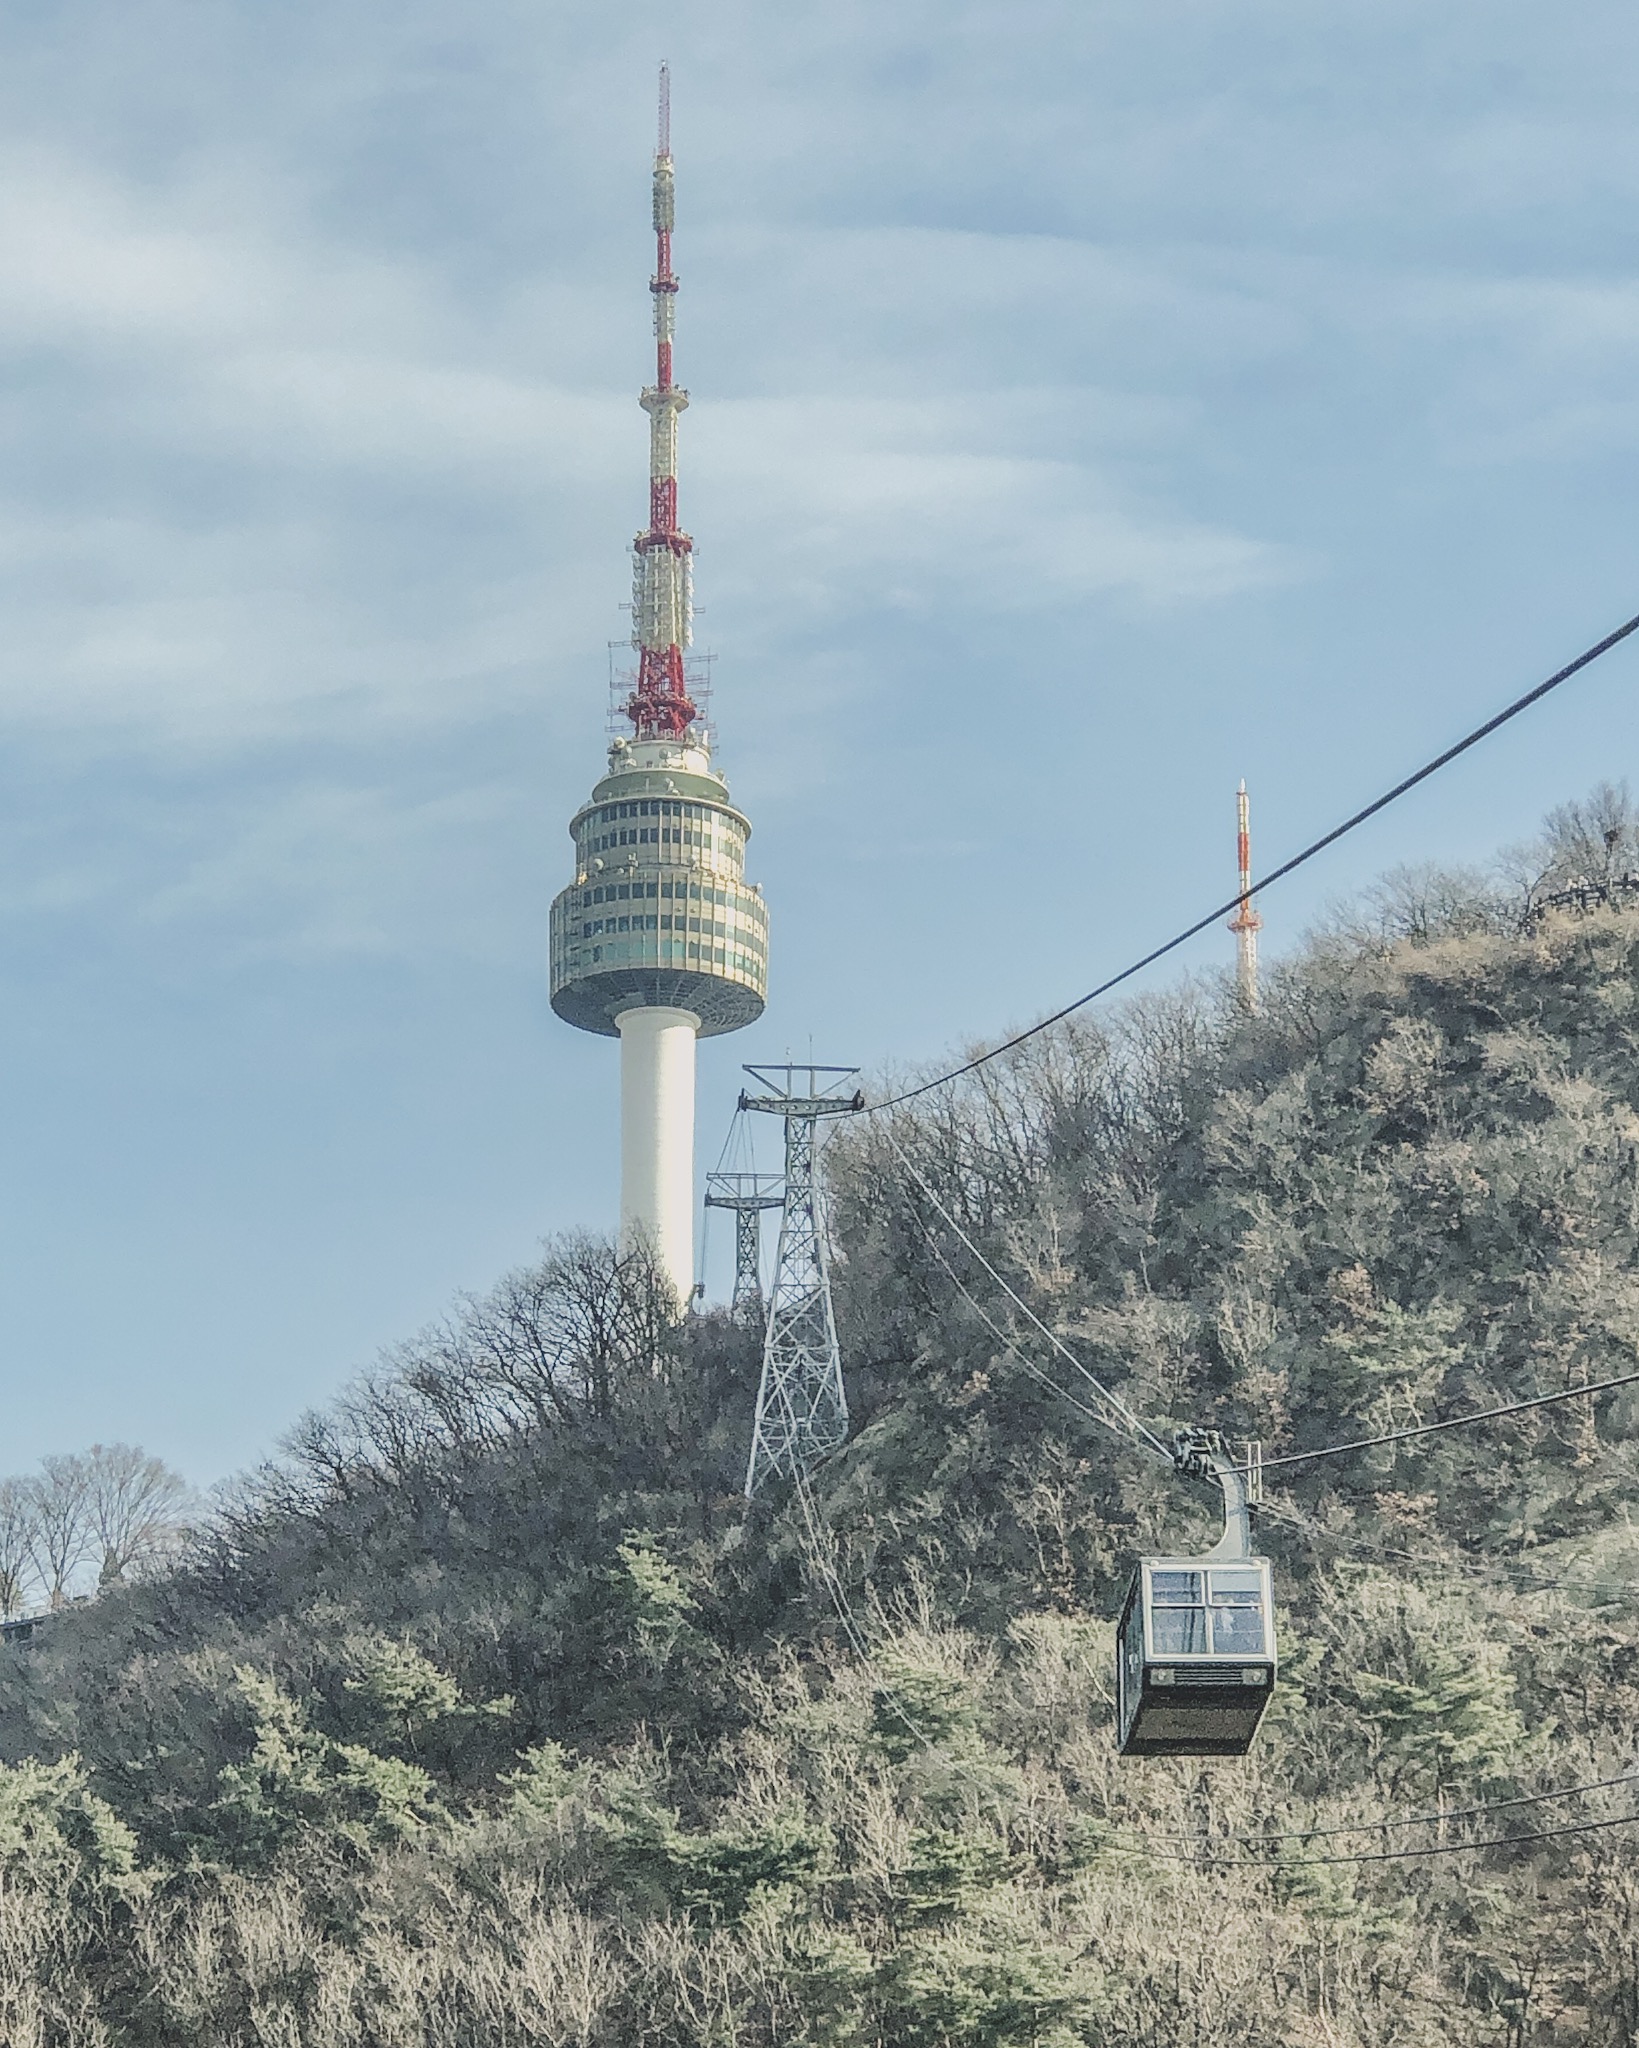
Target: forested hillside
pixel 488 1715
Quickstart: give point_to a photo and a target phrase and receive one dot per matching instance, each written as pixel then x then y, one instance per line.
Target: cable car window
pixel 1237 1616
pixel 1237 1631
pixel 1177 1614
pixel 1179 1631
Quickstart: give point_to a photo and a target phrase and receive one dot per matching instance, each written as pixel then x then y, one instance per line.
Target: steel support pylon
pixel 748 1195
pixel 802 1410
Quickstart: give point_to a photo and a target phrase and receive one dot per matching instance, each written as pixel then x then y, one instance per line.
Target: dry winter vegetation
pixel 87 1519
pixel 487 1716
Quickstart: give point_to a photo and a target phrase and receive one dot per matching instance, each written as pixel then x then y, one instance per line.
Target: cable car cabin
pixel 1195 1660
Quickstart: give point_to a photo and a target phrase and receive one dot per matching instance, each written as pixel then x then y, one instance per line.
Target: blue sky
pixel 1092 404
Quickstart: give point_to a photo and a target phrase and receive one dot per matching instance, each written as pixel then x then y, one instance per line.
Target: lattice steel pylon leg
pixel 802 1409
pixel 748 1195
pixel 748 1259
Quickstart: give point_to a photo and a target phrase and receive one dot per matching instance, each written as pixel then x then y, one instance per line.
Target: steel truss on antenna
pixel 802 1411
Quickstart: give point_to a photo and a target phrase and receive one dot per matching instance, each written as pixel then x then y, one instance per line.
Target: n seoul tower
pixel 660 940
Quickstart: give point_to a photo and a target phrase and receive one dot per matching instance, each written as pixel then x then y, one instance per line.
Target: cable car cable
pixel 1418 1820
pixel 1284 1516
pixel 1290 1457
pixel 1140 1430
pixel 1011 1348
pixel 1272 1511
pixel 1400 1436
pixel 844 1608
pixel 1288 867
pixel 1586 1827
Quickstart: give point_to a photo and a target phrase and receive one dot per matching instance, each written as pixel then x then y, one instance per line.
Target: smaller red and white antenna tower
pixel 662 570
pixel 1246 923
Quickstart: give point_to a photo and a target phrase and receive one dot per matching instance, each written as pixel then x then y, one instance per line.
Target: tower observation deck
pixel 659 939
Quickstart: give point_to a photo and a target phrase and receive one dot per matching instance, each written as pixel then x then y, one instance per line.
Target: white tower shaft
pixel 657 1137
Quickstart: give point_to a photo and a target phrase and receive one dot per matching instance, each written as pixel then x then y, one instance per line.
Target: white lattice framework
pixel 802 1408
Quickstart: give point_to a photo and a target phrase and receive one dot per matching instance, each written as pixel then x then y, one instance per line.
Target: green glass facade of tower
pixel 660 911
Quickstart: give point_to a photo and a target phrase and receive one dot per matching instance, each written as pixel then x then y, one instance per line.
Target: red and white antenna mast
pixel 662 579
pixel 1246 923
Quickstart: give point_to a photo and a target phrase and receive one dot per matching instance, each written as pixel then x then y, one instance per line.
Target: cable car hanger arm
pixel 1200 1454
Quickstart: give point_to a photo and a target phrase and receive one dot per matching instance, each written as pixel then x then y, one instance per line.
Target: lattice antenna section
pixel 802 1410
pixel 1246 923
pixel 660 706
pixel 748 1195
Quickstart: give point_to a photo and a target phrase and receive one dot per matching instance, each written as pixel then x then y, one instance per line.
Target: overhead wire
pixel 1586 1827
pixel 1287 1517
pixel 735 1140
pixel 1288 867
pixel 1012 1349
pixel 851 1626
pixel 739 1148
pixel 1138 1429
pixel 1135 1428
pixel 1279 1512
pixel 1142 1430
pixel 861 1646
pixel 1400 1436
pixel 1418 1820
pixel 733 1146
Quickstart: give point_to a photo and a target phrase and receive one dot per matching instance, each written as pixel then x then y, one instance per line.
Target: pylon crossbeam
pixel 748 1195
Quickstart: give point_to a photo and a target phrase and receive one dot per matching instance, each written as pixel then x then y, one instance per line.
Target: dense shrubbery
pixel 487 1716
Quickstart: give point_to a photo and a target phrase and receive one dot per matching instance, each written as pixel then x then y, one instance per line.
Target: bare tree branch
pixel 136 1507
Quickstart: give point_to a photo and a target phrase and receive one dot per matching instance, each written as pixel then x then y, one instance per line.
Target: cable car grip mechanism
pixel 1200 1454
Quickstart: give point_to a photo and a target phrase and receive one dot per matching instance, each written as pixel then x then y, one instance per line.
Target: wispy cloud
pixel 301 484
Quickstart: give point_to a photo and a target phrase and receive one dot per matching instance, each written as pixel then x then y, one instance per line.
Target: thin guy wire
pixel 838 1593
pixel 833 1585
pixel 1586 1827
pixel 700 1257
pixel 1139 1428
pixel 1419 1820
pixel 1011 1348
pixel 1236 901
pixel 1267 1464
pixel 729 1136
pixel 1400 1436
pixel 1288 1518
pixel 845 1611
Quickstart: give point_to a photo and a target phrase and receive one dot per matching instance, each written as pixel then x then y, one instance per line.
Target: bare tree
pixel 136 1508
pixel 16 1544
pixel 60 1530
pixel 1592 843
pixel 557 1343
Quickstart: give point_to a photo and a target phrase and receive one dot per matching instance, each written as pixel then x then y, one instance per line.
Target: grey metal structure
pixel 748 1195
pixel 802 1411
